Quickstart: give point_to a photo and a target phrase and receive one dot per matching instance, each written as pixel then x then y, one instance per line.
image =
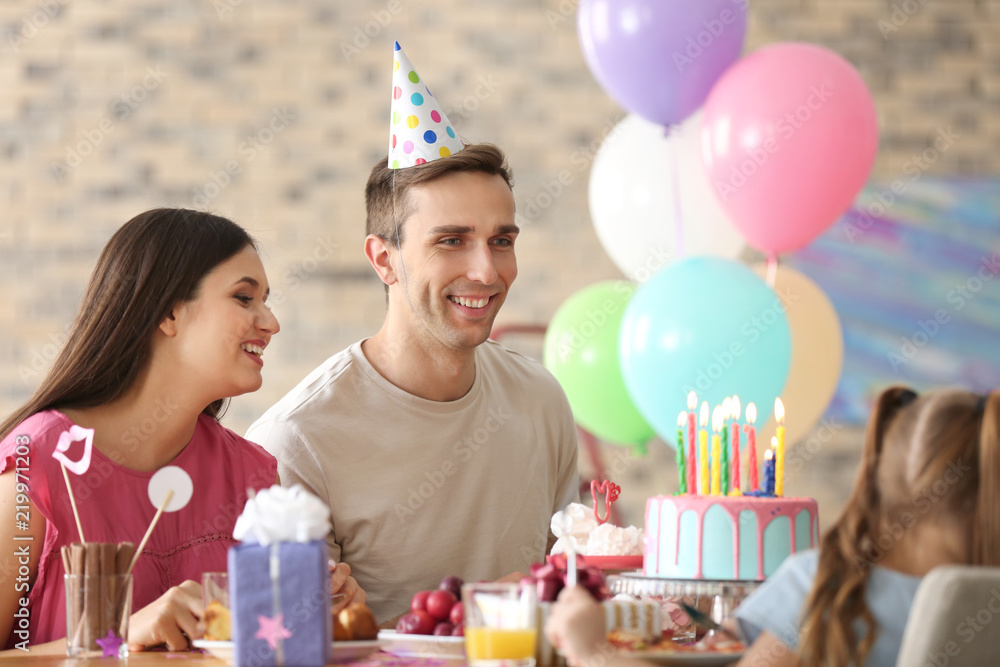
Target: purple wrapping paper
pixel 304 579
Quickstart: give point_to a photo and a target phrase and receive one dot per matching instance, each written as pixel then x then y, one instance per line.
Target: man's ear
pixel 379 254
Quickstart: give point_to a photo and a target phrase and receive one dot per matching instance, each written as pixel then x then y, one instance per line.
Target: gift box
pixel 633 616
pixel 280 600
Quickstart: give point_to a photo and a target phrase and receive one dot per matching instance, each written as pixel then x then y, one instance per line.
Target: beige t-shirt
pixel 422 489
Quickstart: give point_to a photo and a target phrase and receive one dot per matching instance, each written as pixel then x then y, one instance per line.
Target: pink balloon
pixel 788 137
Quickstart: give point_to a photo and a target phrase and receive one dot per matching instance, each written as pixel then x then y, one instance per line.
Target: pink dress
pixel 114 506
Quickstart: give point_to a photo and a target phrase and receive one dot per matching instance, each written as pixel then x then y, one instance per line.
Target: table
pixel 146 659
pixel 195 659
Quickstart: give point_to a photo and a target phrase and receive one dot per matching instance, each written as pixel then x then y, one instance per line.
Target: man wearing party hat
pixel 438 451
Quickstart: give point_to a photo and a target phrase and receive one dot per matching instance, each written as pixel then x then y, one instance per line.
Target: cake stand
pixel 716 599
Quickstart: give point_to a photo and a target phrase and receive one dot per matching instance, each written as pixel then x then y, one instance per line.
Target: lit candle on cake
pixel 692 462
pixel 703 450
pixel 769 472
pixel 752 444
pixel 735 449
pixel 679 443
pixel 716 450
pixel 727 408
pixel 779 448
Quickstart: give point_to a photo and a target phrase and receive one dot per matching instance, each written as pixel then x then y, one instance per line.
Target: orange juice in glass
pixel 500 624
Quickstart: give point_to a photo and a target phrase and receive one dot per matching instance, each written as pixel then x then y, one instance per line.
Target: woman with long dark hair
pixel 173 322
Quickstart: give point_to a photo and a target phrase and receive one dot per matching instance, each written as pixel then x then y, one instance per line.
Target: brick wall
pixel 273 111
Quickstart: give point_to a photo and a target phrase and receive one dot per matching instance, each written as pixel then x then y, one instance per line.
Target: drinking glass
pixel 98 607
pixel 215 588
pixel 500 624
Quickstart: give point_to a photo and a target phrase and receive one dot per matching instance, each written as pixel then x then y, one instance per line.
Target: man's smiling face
pixel 458 258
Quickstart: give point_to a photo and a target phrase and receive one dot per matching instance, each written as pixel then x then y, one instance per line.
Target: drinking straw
pixel 72 502
pixel 570 566
pixel 163 505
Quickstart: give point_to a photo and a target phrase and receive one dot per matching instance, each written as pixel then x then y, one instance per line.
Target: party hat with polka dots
pixel 419 131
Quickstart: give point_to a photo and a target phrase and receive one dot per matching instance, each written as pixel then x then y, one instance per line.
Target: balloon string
pixel 675 186
pixel 772 269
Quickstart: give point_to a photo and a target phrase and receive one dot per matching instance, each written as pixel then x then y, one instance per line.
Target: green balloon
pixel 581 351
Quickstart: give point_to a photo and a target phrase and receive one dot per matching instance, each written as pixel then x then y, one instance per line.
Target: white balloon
pixel 633 203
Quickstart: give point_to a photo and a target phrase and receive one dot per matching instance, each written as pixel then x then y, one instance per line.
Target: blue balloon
pixel 709 325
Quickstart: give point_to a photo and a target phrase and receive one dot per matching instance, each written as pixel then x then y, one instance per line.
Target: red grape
pixel 419 601
pixel 453 584
pixel 457 615
pixel 406 623
pixel 415 623
pixel 439 604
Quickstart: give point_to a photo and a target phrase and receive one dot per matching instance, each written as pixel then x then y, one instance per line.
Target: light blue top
pixel 777 605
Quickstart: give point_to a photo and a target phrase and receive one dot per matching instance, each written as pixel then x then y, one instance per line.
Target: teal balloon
pixel 709 325
pixel 581 351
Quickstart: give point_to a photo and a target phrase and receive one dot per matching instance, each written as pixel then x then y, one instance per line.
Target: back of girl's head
pixel 939 462
pixel 155 260
pixel 932 459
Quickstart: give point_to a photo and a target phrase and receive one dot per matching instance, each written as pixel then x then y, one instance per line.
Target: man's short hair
pixel 379 191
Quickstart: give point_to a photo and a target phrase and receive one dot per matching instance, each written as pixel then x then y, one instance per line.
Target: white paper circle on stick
pixel 171 478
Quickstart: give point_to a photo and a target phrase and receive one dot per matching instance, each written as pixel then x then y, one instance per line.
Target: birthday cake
pixel 725 537
pixel 714 531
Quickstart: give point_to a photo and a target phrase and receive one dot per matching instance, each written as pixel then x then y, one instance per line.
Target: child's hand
pixel 172 620
pixel 341 581
pixel 576 625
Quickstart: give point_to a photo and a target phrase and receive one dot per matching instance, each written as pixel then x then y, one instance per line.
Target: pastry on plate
pixel 354 623
pixel 217 622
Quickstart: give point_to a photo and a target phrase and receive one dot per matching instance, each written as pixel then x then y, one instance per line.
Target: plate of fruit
pixel 355 633
pixel 434 626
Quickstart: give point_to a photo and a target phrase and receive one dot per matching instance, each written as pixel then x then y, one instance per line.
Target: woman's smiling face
pixel 222 332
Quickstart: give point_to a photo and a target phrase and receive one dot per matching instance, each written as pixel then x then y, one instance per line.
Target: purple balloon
pixel 660 58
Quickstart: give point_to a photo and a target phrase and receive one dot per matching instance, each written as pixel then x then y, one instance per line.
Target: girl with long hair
pixel 173 322
pixel 927 494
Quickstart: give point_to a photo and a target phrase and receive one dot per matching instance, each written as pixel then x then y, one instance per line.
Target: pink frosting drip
pixel 765 509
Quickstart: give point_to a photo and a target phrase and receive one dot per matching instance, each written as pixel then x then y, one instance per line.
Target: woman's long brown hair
pixel 910 444
pixel 154 261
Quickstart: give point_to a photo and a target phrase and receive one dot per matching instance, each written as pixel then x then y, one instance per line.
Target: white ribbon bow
pixel 278 514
